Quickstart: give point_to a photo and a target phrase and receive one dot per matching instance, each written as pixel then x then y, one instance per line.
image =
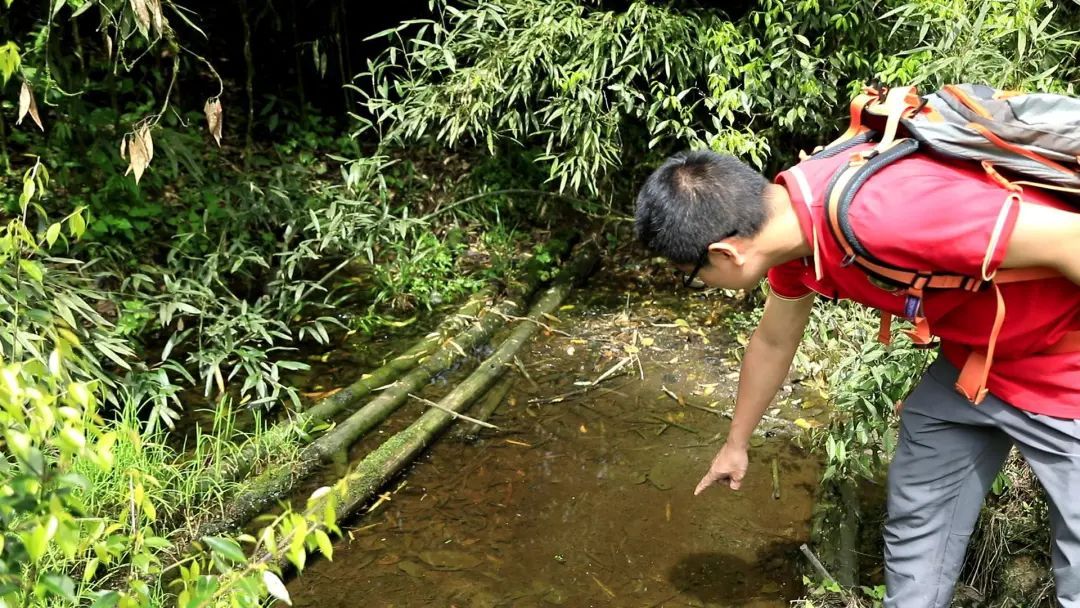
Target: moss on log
pixel 365 479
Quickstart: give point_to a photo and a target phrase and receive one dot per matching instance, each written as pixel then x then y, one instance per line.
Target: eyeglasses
pixel 688 279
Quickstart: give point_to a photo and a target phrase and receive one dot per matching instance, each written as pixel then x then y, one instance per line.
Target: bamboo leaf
pixel 212 109
pixel 325 546
pixel 148 143
pixel 27 105
pixel 83 8
pixel 275 587
pixel 225 547
pixel 52 234
pixel 33 269
pixel 158 19
pixel 139 156
pixel 142 16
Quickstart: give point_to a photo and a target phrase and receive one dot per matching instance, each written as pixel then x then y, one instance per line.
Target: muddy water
pixel 583 497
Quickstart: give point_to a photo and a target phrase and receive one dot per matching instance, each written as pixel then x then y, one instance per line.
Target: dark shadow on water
pixel 732 580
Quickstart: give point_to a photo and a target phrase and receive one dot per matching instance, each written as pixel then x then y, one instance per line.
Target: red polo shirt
pixel 922 213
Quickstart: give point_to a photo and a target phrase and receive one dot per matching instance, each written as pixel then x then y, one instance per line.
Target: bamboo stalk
pixel 816 563
pixel 328 407
pixel 487 406
pixel 366 477
pixel 775 478
pixel 331 406
pixel 277 483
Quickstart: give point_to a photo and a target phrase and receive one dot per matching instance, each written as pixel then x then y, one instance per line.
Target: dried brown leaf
pixel 148 143
pixel 123 147
pixel 158 17
pixel 27 105
pixel 212 109
pixel 142 16
pixel 139 156
pixel 25 96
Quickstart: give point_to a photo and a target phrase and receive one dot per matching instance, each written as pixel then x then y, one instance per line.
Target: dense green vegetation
pixel 179 237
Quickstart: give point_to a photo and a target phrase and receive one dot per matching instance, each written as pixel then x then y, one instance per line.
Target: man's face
pixel 724 267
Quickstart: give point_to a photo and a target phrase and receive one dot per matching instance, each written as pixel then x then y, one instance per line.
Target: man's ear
pixel 729 248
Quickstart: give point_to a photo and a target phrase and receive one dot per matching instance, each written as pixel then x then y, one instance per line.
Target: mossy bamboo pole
pixel 327 408
pixel 483 410
pixel 279 482
pixel 333 405
pixel 371 473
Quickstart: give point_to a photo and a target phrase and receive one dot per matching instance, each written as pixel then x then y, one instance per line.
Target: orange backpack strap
pixel 972 380
pixel 973 376
pixel 884 330
pixel 900 102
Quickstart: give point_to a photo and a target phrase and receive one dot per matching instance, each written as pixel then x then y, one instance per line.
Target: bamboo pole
pixel 490 402
pixel 279 482
pixel 366 477
pixel 329 407
pixel 333 405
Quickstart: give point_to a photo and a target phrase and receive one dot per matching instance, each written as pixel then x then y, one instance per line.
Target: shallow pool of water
pixel 586 500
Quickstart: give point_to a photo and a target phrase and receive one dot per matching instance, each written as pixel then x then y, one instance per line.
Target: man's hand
pixel 729 465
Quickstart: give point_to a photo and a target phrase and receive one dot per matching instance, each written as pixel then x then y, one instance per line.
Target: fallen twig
pixel 486 425
pixel 525 373
pixel 817 564
pixel 563 397
pixel 775 478
pixel 688 429
pixel 545 326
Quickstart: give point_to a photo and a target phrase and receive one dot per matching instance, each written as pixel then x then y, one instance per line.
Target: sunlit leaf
pixel 275 587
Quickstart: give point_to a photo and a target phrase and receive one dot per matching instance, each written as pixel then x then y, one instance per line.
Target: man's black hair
pixel 695 199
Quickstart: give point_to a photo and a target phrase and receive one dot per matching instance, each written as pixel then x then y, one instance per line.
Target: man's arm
pixel 1045 237
pixel 766 364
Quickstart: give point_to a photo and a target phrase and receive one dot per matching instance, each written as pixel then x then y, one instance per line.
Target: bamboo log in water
pixel 328 407
pixel 365 478
pixel 277 483
pixel 483 411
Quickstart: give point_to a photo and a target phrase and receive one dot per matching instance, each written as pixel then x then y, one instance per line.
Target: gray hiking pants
pixel 947 457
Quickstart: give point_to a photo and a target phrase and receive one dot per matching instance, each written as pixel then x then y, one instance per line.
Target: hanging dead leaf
pixel 139 157
pixel 148 142
pixel 157 18
pixel 212 109
pixel 123 147
pixel 142 16
pixel 108 46
pixel 27 105
pixel 25 97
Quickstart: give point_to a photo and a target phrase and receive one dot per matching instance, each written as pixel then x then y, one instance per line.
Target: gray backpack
pixel 1020 140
